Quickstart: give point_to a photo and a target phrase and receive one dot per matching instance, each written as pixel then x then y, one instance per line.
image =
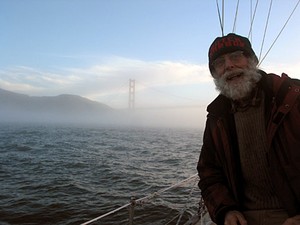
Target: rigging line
pixel 186 203
pixel 144 199
pixel 280 32
pixel 223 16
pixel 220 20
pixel 235 18
pixel 252 18
pixel 251 10
pixel 265 31
pixel 187 180
pixel 106 214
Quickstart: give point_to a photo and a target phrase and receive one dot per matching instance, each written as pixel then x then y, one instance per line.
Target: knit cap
pixel 229 43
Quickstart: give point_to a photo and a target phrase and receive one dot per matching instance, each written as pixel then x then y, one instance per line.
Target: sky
pixel 92 48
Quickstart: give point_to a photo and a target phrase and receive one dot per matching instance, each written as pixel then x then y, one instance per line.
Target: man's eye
pixel 219 62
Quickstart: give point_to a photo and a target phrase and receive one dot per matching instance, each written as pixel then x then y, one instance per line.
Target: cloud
pixel 109 77
pixel 108 81
pixel 292 69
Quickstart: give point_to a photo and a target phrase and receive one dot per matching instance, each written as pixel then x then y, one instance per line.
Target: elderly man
pixel 249 165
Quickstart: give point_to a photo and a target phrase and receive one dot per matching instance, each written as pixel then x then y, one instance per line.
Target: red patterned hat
pixel 229 43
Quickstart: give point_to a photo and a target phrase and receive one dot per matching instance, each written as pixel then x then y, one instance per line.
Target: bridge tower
pixel 131 100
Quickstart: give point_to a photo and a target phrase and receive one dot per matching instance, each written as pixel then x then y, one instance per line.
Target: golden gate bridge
pixel 130 90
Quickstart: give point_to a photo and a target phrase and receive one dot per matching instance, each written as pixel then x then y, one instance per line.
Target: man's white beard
pixel 238 90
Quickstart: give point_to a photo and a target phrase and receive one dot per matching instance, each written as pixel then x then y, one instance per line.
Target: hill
pixel 62 108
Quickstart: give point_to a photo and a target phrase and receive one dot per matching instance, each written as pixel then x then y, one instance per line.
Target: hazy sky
pixel 93 47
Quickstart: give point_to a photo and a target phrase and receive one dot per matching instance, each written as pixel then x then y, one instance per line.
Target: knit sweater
pixel 259 192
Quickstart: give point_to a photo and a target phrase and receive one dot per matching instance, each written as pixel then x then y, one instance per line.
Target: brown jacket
pixel 219 166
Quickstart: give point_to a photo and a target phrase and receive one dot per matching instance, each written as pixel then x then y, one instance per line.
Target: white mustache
pixel 231 74
pixel 248 79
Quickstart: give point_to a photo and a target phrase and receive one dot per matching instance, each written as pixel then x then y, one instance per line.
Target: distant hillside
pixel 14 106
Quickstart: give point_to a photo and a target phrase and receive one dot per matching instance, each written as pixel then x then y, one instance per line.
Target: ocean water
pixel 63 174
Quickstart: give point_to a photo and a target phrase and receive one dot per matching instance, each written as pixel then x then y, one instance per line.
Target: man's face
pixel 229 62
pixel 235 75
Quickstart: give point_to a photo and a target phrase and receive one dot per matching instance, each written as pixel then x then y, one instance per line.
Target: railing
pixel 136 202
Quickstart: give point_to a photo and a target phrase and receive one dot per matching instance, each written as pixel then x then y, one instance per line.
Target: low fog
pixel 74 109
pixel 172 117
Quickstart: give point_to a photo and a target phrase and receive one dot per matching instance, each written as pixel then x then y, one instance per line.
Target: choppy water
pixel 52 174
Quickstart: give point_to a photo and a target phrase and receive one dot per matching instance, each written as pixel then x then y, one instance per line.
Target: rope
pixel 220 20
pixel 106 214
pixel 155 194
pixel 144 199
pixel 251 4
pixel 185 207
pixel 265 31
pixel 280 32
pixel 235 17
pixel 223 15
pixel 252 19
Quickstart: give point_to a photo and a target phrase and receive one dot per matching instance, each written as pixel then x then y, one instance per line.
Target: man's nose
pixel 228 64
